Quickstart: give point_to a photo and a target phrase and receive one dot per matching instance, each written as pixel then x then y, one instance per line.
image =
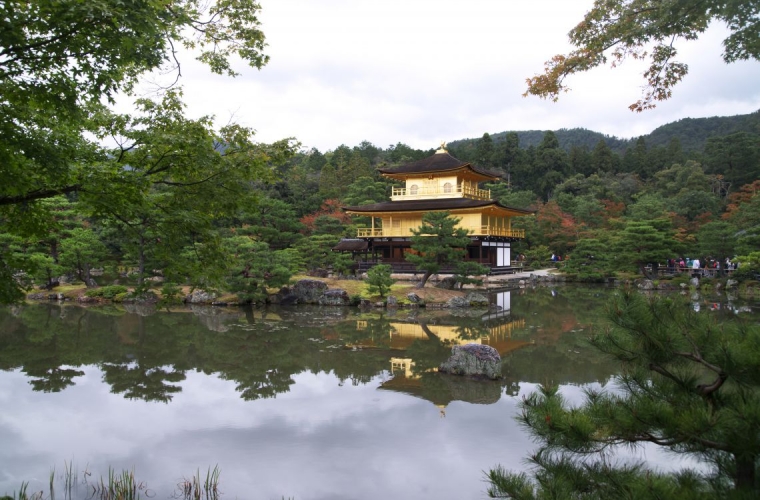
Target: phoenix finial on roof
pixel 442 149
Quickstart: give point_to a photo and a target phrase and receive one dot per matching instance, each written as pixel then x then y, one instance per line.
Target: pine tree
pixel 689 384
pixel 379 279
pixel 438 242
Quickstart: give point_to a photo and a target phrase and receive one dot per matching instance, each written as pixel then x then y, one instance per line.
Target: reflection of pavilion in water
pixel 494 329
pixel 498 336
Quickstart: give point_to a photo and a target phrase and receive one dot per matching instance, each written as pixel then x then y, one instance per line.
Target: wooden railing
pixel 663 270
pixel 423 191
pixel 500 231
pixel 368 232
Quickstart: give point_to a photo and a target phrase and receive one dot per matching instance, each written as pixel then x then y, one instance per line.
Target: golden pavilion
pixel 437 183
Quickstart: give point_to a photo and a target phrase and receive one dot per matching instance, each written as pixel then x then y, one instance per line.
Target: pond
pixel 299 402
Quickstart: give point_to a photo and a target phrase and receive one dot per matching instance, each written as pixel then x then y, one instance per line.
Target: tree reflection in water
pixel 146 354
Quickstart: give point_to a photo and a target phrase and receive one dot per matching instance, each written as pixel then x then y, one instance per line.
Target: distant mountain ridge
pixel 691 132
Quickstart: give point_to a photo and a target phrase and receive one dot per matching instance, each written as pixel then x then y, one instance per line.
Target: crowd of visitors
pixel 704 266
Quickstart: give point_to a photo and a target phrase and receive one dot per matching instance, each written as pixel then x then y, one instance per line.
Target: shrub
pixel 379 279
pixel 170 293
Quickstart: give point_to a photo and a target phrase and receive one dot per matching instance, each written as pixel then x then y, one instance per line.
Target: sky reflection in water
pixel 325 437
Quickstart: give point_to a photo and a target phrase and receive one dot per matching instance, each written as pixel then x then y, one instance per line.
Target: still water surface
pixel 300 402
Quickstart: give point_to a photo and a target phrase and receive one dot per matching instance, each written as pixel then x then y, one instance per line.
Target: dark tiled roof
pixel 351 245
pixel 436 163
pixel 426 205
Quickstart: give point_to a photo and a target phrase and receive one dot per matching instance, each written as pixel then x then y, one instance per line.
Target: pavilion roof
pixel 351 245
pixel 431 205
pixel 441 161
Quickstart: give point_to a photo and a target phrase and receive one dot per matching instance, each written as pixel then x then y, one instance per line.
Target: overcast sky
pixel 423 71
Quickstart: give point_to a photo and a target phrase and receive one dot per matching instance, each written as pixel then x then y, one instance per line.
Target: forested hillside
pixel 692 133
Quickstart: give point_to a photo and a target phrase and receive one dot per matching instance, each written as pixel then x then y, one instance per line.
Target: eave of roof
pixel 428 205
pixel 351 245
pixel 439 162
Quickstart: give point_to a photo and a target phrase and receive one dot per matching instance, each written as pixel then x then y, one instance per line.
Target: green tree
pixel 580 161
pixel 635 158
pixel 647 29
pixel 272 221
pixel 465 272
pixel 328 182
pixel 62 60
pixel 593 257
pixel 364 191
pixel 507 153
pixel 689 384
pixel 642 243
pixel 437 242
pixel 379 279
pixel 735 156
pixel 81 251
pixel 603 159
pixel 253 267
pixel 316 160
pixel 316 251
pixel 484 151
pixel 550 166
pixel 172 178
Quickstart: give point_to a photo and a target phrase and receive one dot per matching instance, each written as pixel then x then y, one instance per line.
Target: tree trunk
pixel 141 262
pixel 88 281
pixel 54 250
pixel 643 269
pixel 745 473
pixel 421 284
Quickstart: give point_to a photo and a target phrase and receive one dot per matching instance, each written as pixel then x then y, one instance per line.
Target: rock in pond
pixel 456 302
pixel 414 298
pixel 335 297
pixel 474 360
pixel 475 299
pixel 309 291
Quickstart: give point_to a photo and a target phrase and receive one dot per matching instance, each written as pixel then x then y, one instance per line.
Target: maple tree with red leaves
pixel 329 208
pixel 558 228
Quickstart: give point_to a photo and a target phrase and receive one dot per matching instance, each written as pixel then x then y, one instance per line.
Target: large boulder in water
pixel 335 297
pixel 309 291
pixel 475 299
pixel 456 302
pixel 200 297
pixel 448 283
pixel 474 360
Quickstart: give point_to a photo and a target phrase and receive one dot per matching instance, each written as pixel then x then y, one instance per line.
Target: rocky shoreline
pixel 317 292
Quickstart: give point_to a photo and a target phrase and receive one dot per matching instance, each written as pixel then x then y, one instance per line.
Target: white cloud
pixel 421 71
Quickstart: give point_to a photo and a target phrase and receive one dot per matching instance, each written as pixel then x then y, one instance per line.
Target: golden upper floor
pixel 439 176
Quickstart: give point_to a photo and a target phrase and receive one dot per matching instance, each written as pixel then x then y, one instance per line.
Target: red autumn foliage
pixel 558 227
pixel 744 195
pixel 612 209
pixel 330 208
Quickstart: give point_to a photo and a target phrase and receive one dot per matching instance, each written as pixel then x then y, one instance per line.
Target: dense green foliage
pixel 689 384
pixel 608 213
pixel 589 204
pixel 158 180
